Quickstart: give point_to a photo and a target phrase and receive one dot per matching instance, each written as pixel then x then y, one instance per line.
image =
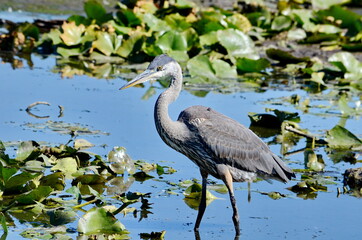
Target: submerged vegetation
pixel 309 45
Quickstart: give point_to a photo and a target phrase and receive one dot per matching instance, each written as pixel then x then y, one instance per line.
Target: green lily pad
pixel 349 19
pixel 346 62
pixel 95 10
pixel 128 18
pixel 313 161
pixel 281 23
pixel 27 151
pixel 202 66
pixel 60 217
pixel 239 21
pixel 245 65
pixel 272 121
pixel 284 57
pixel 177 22
pixel 107 43
pixel 98 220
pixel 323 4
pixel 339 137
pixel 154 23
pixel 132 44
pixel 172 40
pixel 237 43
pixel 35 195
pixel 66 165
pixel 193 196
pixel 20 182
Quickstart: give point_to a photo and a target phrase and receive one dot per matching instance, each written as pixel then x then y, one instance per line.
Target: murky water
pixel 128 120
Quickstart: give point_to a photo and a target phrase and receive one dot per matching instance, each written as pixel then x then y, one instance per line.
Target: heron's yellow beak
pixel 147 75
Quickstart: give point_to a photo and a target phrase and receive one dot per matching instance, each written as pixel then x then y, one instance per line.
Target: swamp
pixel 80 159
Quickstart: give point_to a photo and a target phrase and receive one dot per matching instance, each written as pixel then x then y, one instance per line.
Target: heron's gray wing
pixel 233 144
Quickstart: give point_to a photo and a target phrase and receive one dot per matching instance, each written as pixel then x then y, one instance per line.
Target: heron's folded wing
pixel 233 144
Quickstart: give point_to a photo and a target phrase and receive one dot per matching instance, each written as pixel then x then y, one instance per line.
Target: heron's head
pixel 161 67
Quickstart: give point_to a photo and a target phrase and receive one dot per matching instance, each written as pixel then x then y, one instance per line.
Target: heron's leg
pixel 202 205
pixel 228 180
pixel 249 194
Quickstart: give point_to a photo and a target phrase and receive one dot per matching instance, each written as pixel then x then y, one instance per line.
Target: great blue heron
pixel 218 145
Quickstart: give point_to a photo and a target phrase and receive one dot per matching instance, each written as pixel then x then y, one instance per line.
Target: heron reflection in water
pixel 217 144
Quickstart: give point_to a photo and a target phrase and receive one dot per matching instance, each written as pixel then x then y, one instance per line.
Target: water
pixel 128 121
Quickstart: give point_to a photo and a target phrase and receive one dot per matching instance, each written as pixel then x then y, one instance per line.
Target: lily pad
pixel 36 195
pixel 339 137
pixel 98 220
pixel 193 196
pixel 281 23
pixel 72 34
pixel 245 65
pixel 284 57
pixel 237 43
pixel 27 151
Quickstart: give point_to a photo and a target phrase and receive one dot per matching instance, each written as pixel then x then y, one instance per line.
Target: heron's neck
pixel 170 131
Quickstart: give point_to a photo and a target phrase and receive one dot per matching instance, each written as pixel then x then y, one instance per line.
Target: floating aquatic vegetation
pixel 34 188
pixel 64 128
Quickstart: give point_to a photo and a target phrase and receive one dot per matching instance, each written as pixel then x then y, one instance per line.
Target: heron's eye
pixel 159 68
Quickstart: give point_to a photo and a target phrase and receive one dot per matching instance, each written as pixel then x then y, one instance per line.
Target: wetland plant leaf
pixel 72 34
pixel 239 21
pixel 98 220
pixel 132 44
pixel 27 151
pixel 281 23
pixel 194 192
pixel 308 189
pixel 107 43
pixel 3 223
pixel 142 176
pixel 82 144
pixel 323 4
pixel 55 180
pixel 272 121
pixel 177 22
pixel 209 38
pixel 128 18
pixel 172 40
pixel 18 183
pixel 245 65
pixel 89 179
pixel 201 66
pixel 193 196
pixel 274 195
pixel 153 235
pixel 313 161
pixel 68 52
pixel 347 63
pixel 339 137
pixel 154 23
pixel 284 57
pixel 237 43
pixel 95 10
pixel 60 217
pixel 349 20
pixel 5 174
pixel 36 195
pixel 66 165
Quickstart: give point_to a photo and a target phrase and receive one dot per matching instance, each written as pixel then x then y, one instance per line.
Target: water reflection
pixel 197 236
